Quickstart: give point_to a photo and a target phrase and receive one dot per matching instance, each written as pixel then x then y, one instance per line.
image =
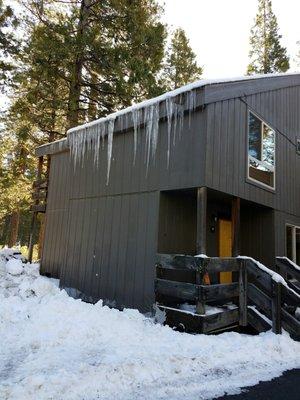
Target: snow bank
pixel 14 267
pixel 56 347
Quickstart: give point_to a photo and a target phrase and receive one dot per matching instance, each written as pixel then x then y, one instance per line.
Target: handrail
pixel 257 286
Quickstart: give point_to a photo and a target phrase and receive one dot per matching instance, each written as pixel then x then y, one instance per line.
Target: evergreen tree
pixel 181 65
pixel 80 60
pixel 266 54
pixel 8 42
pixel 16 173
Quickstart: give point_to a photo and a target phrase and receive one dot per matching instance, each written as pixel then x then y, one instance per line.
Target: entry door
pixel 225 246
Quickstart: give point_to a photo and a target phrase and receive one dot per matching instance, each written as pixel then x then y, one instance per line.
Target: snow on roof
pixel 187 88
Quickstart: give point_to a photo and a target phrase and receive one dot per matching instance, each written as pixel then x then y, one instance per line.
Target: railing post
pixel 243 283
pixel 200 305
pixel 201 220
pixel 276 307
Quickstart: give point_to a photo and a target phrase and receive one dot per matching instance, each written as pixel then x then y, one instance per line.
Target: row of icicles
pixel 90 139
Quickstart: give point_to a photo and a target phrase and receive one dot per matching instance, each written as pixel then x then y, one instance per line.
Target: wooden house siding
pixel 226 151
pixel 109 235
pixel 103 238
pixel 56 223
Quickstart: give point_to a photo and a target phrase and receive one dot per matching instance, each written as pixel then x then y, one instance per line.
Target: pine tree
pixel 16 174
pixel 181 65
pixel 8 42
pixel 267 55
pixel 80 60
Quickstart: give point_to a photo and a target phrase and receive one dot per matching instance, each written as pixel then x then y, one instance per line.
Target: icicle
pixel 155 127
pixel 97 146
pixel 191 103
pixel 90 138
pixel 110 133
pixel 102 127
pixel 148 128
pixel 169 108
pixel 176 109
pixel 135 114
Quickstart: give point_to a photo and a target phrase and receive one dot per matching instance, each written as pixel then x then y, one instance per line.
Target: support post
pixel 276 307
pixel 243 283
pixel 236 224
pixel 201 220
pixel 201 237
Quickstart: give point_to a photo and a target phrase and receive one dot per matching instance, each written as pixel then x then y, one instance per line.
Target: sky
pixel 219 31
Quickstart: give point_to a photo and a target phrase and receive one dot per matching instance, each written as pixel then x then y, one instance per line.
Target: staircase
pixel 258 297
pixel 39 195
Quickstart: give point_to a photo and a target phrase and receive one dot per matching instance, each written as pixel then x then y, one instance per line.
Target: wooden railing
pixel 258 298
pixel 290 272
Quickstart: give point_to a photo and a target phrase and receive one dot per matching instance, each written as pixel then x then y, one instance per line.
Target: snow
pixel 174 93
pixel 56 347
pixel 291 262
pixel 261 315
pixel 14 266
pixel 209 310
pixel 275 276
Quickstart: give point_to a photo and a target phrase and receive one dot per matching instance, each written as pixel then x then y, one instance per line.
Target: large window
pixel 261 152
pixel 293 243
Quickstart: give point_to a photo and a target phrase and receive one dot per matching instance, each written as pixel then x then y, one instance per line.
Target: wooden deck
pixel 256 298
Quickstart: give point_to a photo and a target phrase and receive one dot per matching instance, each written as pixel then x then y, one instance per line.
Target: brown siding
pixel 56 216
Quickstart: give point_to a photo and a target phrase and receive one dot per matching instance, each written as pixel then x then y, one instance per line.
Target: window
pixel 261 152
pixel 293 243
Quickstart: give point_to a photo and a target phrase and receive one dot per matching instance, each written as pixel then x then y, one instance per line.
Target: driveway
pixel 286 387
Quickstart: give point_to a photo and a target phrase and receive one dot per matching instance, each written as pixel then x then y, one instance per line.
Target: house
pixel 211 168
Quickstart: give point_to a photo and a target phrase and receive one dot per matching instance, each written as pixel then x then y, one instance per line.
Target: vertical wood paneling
pixel 106 235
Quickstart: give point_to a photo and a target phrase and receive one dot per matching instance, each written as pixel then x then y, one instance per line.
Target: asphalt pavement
pixel 285 387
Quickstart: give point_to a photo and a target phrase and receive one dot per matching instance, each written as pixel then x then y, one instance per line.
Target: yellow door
pixel 225 246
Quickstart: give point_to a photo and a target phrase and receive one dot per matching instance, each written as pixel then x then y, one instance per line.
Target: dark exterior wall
pixel 226 155
pixel 110 253
pixel 186 167
pixel 57 215
pixel 111 238
pixel 226 151
pixel 104 237
pixel 258 233
pixel 177 223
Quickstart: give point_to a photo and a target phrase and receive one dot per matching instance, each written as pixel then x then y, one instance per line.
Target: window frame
pixel 249 178
pixel 294 246
pixel 298 146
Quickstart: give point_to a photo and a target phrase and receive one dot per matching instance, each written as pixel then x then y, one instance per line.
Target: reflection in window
pixel 261 151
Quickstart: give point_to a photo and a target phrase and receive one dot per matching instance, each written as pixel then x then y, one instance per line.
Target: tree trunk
pixel 75 85
pixel 14 228
pixel 41 235
pixel 92 110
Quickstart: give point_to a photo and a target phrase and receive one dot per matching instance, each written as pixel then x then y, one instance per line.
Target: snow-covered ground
pixel 55 347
